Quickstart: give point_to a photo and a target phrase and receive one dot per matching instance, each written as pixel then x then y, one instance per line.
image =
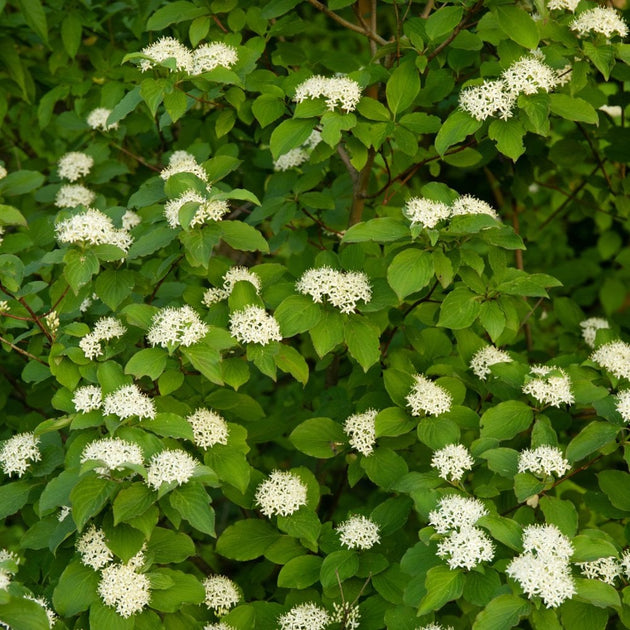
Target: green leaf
pixel 337 567
pixel 573 108
pixel 443 585
pixel 318 437
pixel 102 616
pixel 363 341
pixel 71 31
pixel 502 613
pixel 131 502
pixel 300 572
pixel 184 589
pixel 373 110
pixel 13 496
pixel 457 127
pixel 243 237
pixel 602 56
pixel 442 22
pixel 303 525
pixel 169 425
pixel 290 134
pixel 596 593
pixel 267 108
pixel 76 589
pixel 297 314
pixel 614 484
pixel 276 8
pixel 381 230
pixel 328 333
pixel 506 420
pixel 230 465
pixel 505 530
pixel 560 513
pixel 518 25
pixel 246 540
pixel 11 272
pixel 410 271
pixel 176 104
pixel 152 92
pixel 148 362
pixel 125 106
pixel 384 467
pixel 206 360
pixel 289 360
pixel 592 437
pixel 35 16
pixel 459 309
pixel 167 546
pixel 11 216
pixel 592 545
pixel 174 13
pixel 508 134
pixel 89 497
pixel 21 182
pixel 79 268
pixel 402 87
pixel 526 485
pixel 219 166
pixel 192 503
pixel 23 614
pixel 113 286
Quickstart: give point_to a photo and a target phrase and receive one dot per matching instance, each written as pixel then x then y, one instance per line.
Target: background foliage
pixel 555 171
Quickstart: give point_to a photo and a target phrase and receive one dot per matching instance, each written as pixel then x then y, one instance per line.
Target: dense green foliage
pixel 555 170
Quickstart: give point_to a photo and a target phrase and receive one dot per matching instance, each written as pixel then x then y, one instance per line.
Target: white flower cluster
pixel 130 219
pixel 183 162
pixel 543 569
pixel 552 386
pixel 347 614
pixel 105 329
pixel 221 594
pixel 559 5
pixel 338 91
pixel 297 157
pixel 604 569
pixel 428 213
pixel 176 326
pixel 359 532
pixel 170 466
pixel 193 62
pixel 484 358
pixel 92 227
pixel 623 404
pixel 281 493
pixel 603 20
pixel 343 289
pixel 8 559
pixel 543 461
pixel 231 277
pixel 209 428
pixel 497 97
pixel 129 401
pixel 123 587
pixel 64 512
pixel 18 452
pixel 208 210
pixel 254 325
pixel 590 327
pixel 427 397
pixel 52 322
pixel 452 461
pixel 93 549
pixel 74 165
pixel 114 453
pixel 614 357
pixel 218 626
pixel 3 172
pixel 97 119
pixel 4 305
pixel 435 626
pixel 361 431
pixel 465 545
pixel 88 398
pixel 307 616
pixel 73 195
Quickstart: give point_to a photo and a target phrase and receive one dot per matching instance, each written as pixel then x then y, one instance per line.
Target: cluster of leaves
pixel 438 296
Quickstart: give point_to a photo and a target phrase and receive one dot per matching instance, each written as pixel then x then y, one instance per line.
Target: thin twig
pixel 157 169
pixel 59 300
pixel 23 352
pixel 462 24
pixel 354 174
pixel 596 155
pixel 321 223
pixel 31 312
pixel 161 280
pixel 219 24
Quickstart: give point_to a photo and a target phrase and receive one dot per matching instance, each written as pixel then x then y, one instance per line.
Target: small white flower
pixel 529 75
pixel 361 431
pixel 604 569
pixel 231 277
pixel 92 227
pixel 114 453
pixel 208 210
pixel 74 165
pixel 64 512
pixel 623 404
pixel 73 195
pixel 210 56
pixel 590 327
pixel 171 327
pixel 307 616
pixel 343 289
pixel 427 397
pixel 614 111
pixel 455 512
pixel 347 614
pixel 484 358
pixel 170 466
pixel 467 204
pixel 218 626
pixel 183 162
pixel 167 48
pixel 435 626
pixel 543 461
pixel 546 541
pixel 254 325
pixel 88 398
pixel 10 560
pixel 466 548
pixel 130 219
pixel 18 452
pixel 93 549
pixel 338 91
pixel 559 5
pixel 209 428
pixel 52 618
pixel 129 401
pixel 52 322
pixel 552 386
pixel 297 157
pixel 625 562
pixel 452 461
pixel 4 305
pixel 614 357
pixel 105 329
pixel 124 588
pixel 603 20
pixel 426 212
pixel 97 119
pixel 221 594
pixel 359 532
pixel 491 98
pixel 281 493
pixel 3 172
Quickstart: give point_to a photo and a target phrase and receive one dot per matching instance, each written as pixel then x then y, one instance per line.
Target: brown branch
pixel 321 223
pixel 161 280
pixel 59 300
pixel 596 155
pixel 462 24
pixel 354 174
pixel 157 169
pixel 360 186
pixel 219 24
pixel 23 352
pixel 349 25
pixel 31 312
